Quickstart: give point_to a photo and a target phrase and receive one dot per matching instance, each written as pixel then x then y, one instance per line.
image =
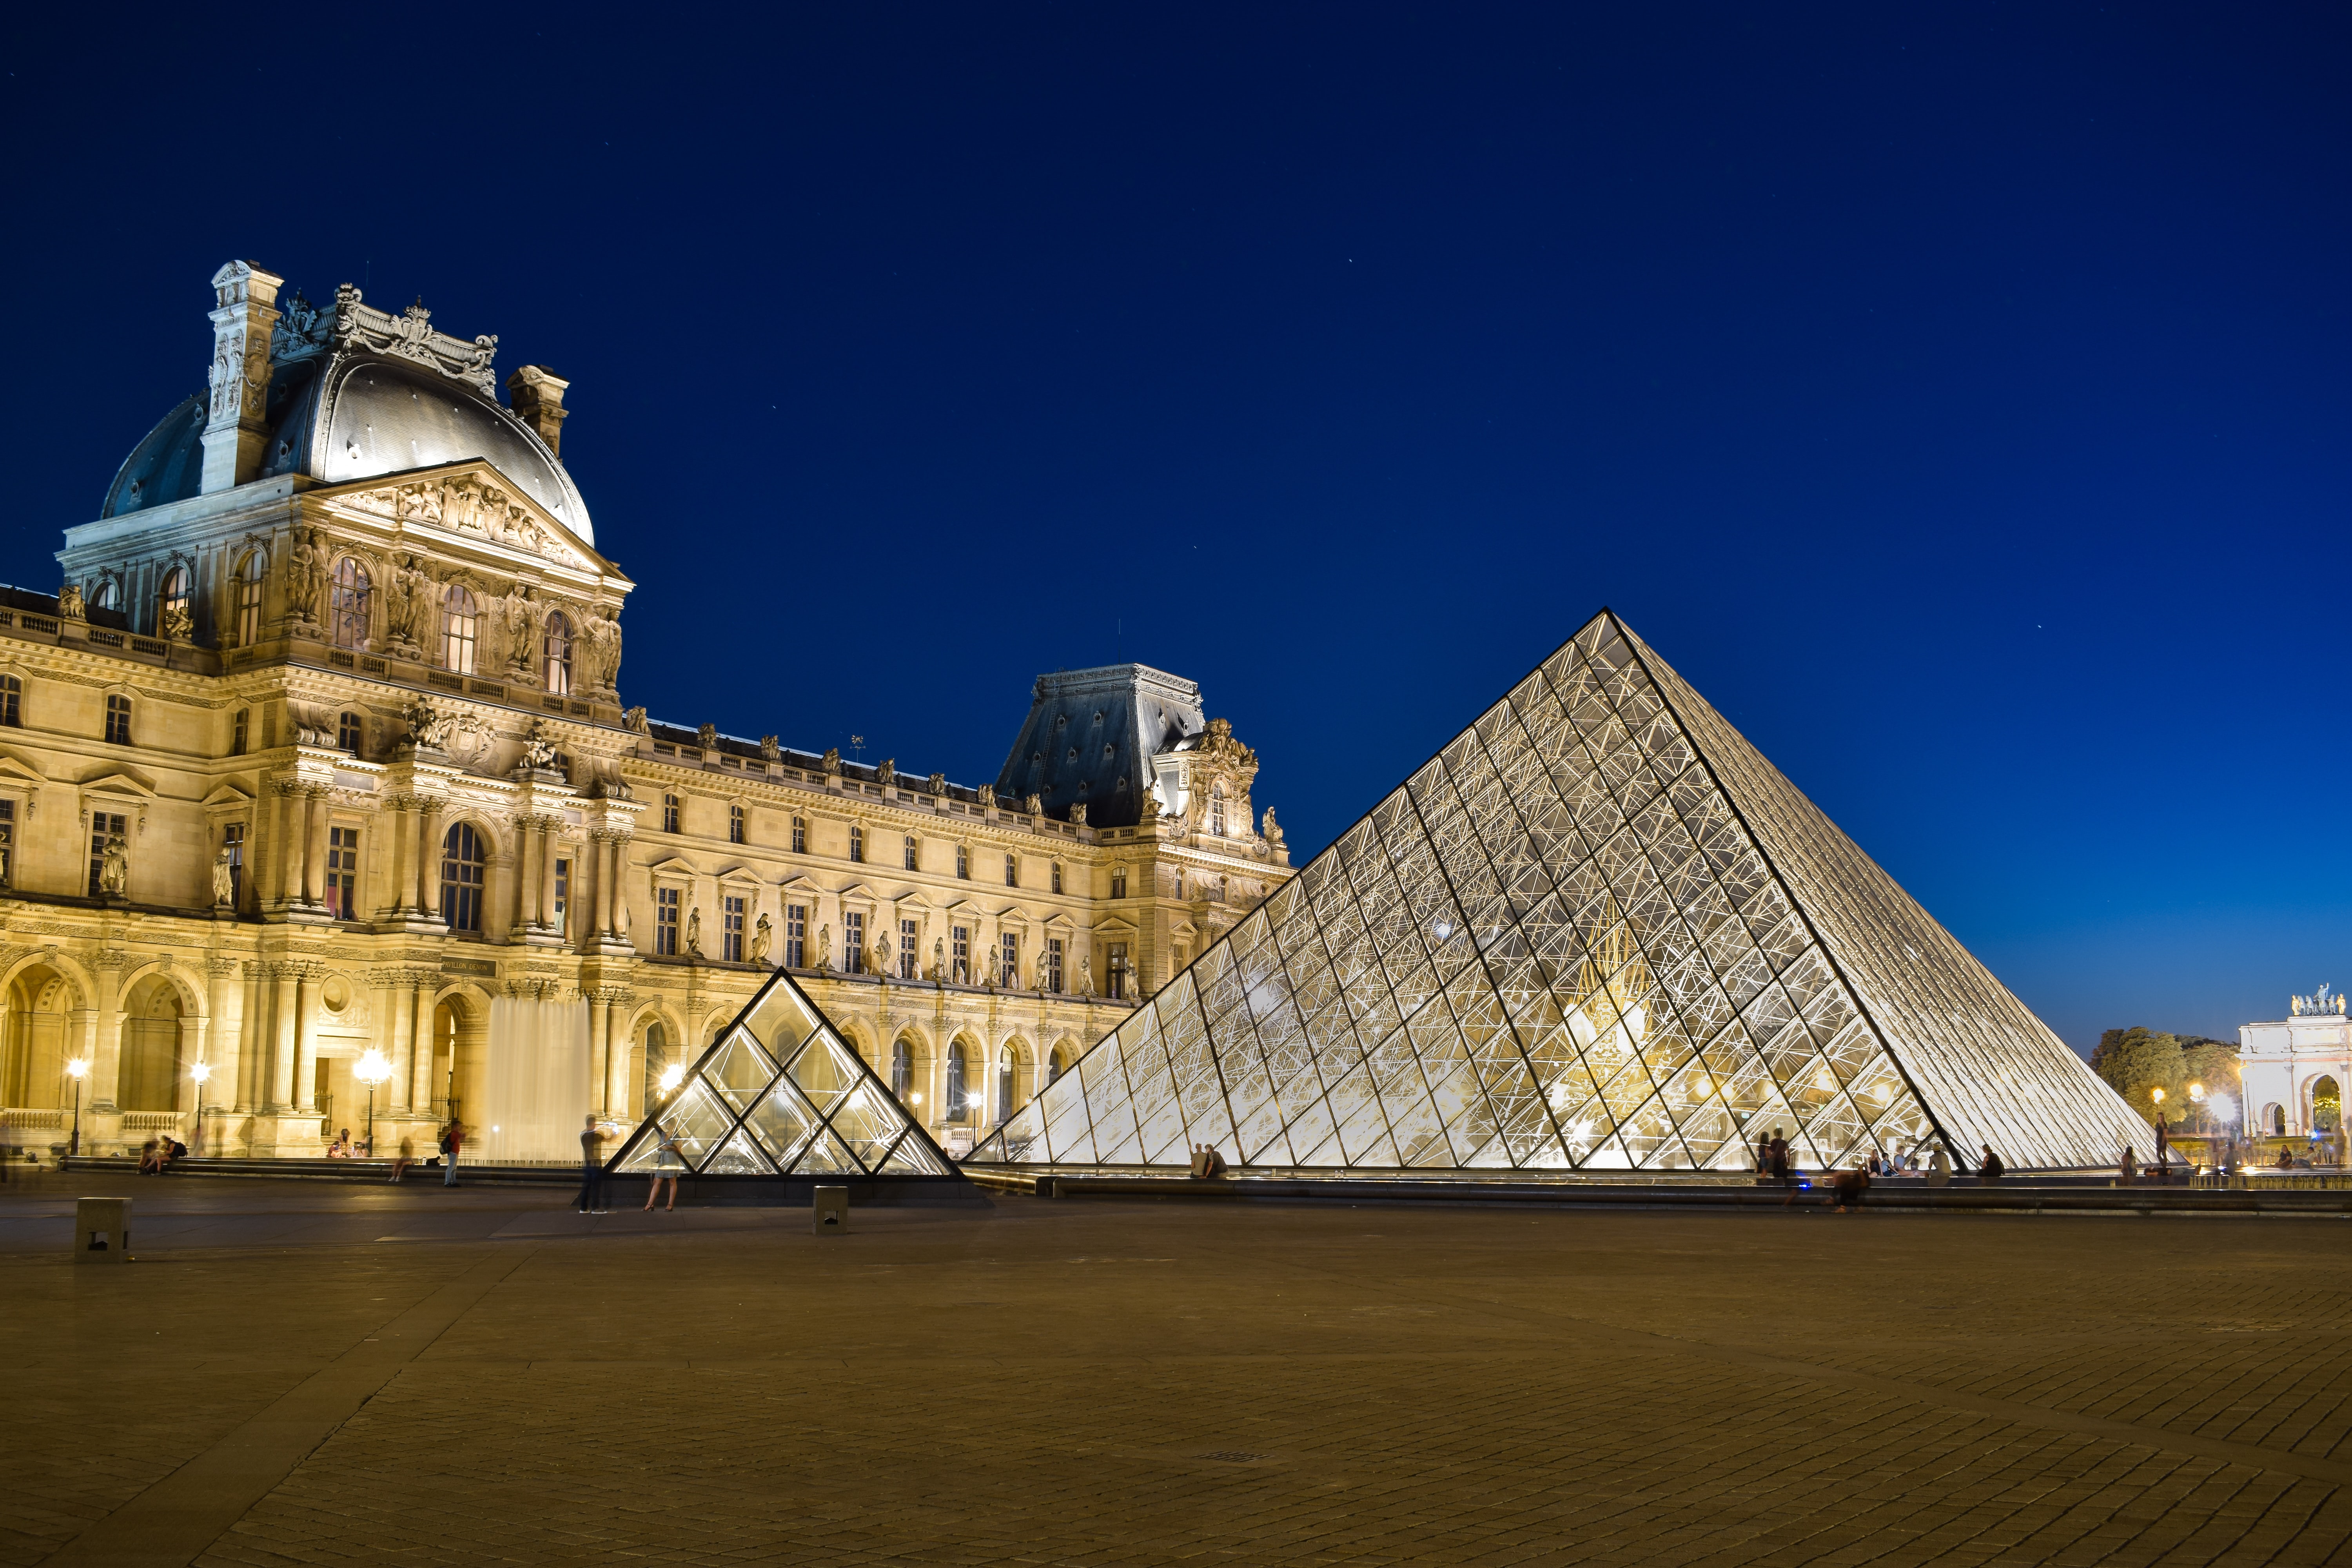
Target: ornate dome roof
pixel 353 395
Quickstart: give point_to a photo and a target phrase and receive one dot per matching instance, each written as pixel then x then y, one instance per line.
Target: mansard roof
pixel 1090 737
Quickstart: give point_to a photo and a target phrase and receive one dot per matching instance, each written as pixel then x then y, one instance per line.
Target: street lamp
pixel 371 1071
pixel 79 1070
pixel 200 1072
pixel 671 1077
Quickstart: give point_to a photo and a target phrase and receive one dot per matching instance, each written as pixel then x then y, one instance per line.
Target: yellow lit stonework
pixel 320 751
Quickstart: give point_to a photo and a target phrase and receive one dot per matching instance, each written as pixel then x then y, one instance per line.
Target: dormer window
pixel 172 603
pixel 556 655
pixel 459 621
pixel 347 605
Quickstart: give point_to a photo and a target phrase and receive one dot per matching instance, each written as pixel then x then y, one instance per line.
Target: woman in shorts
pixel 669 1165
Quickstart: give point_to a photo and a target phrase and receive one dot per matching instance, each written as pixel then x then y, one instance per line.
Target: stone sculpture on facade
pixel 178 624
pixel 762 938
pixel 833 759
pixel 635 721
pixel 882 956
pixel 1086 974
pixel 708 737
pixel 886 773
pixel 769 749
pixel 938 959
pixel 224 879
pixel 1272 829
pixel 987 797
pixel 70 605
pixel 1036 804
pixel 306 572
pixel 825 947
pixel 114 868
pixel 937 785
pixel 539 747
pixel 694 931
pixel 1078 814
pixel 428 726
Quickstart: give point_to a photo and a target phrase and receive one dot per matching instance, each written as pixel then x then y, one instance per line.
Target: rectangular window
pixel 349 730
pixel 233 840
pixel 734 825
pixel 800 836
pixel 669 813
pixel 240 729
pixel 1053 965
pixel 118 720
pixel 7 842
pixel 1114 962
pixel 731 936
pixel 852 942
pixel 665 901
pixel 563 895
pixel 1011 950
pixel 795 936
pixel 1057 876
pixel 962 957
pixel 102 826
pixel 909 961
pixel 1012 872
pixel 342 872
pixel 1118 882
pixel 963 862
pixel 12 696
pixel 856 842
pixel 910 852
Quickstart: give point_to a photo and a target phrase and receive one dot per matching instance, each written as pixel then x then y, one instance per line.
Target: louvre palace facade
pixel 319 799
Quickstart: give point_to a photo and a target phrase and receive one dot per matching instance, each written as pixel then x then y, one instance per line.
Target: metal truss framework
pixel 778 1094
pixel 1596 932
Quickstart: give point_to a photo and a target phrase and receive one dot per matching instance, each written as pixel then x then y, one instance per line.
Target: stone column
pixel 551 845
pixel 608 877
pixel 305 1038
pixel 252 1045
pixel 400 1018
pixel 420 1094
pixel 293 839
pixel 220 1047
pixel 314 845
pixel 428 859
pixel 616 1055
pixel 281 1050
pixel 404 875
pixel 106 1056
pixel 526 852
pixel 599 1048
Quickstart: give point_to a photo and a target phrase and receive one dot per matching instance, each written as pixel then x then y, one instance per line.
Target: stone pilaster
pixel 245 309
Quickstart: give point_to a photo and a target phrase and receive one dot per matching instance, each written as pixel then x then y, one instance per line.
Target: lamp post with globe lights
pixel 79 1069
pixel 372 1071
pixel 199 1072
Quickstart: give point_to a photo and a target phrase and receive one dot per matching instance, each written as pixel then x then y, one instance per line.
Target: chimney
pixel 537 394
pixel 244 309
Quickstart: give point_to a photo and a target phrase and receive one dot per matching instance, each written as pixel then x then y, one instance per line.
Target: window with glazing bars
pixel 241 731
pixel 1011 951
pixel 910 852
pixel 562 896
pixel 1012 872
pixel 963 858
pixel 962 957
pixel 248 606
pixel 1053 965
pixel 12 699
pixel 902 1069
pixel 730 935
pixel 1057 876
pixel 465 867
pixel 909 962
pixel 669 813
pixel 351 730
pixel 233 840
pixel 342 872
pixel 800 836
pixel 118 720
pixel 856 842
pixel 665 905
pixel 734 825
pixel 347 605
pixel 102 826
pixel 852 942
pixel 1118 881
pixel 796 936
pixel 1115 965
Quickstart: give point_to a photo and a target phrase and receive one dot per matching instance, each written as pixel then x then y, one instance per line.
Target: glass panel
pixel 741 1070
pixel 913 1157
pixel 824 1070
pixel 783 1121
pixel 738 1156
pixel 778 1018
pixel 825 1157
pixel 867 1120
pixel 697 1119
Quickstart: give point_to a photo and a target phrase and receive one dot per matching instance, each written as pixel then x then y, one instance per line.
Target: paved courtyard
pixel 293 1373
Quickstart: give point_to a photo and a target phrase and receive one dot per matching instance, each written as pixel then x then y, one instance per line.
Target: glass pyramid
pixel 1596 932
pixel 779 1094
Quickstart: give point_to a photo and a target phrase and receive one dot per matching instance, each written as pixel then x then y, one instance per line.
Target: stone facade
pixel 319 759
pixel 2294 1070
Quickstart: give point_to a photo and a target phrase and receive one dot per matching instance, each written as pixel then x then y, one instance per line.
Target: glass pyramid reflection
pixel 779 1094
pixel 1596 932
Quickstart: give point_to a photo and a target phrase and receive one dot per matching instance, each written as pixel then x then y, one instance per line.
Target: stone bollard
pixel 831 1213
pixel 101 1230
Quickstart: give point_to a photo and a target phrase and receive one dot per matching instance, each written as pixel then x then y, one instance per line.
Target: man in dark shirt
pixel 592 1168
pixel 1991 1168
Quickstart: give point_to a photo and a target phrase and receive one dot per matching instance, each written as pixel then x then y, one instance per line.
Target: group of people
pixel 669 1165
pixel 1776 1162
pixel 155 1156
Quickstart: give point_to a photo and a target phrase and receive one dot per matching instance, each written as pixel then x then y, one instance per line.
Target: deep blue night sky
pixel 1956 395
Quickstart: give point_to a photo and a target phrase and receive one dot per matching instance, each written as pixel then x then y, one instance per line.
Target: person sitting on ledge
pixel 2286 1160
pixel 340 1149
pixel 1847 1187
pixel 150 1159
pixel 1991 1170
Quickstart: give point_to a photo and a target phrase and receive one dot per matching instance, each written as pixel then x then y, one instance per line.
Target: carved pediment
pixel 15 769
pixel 121 782
pixel 471 504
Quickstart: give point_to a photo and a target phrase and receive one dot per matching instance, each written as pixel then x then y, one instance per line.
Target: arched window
pixel 347 605
pixel 902 1070
pixel 2274 1117
pixel 464 860
pixel 556 675
pixel 2326 1105
pixel 1054 1068
pixel 856 842
pixel 1217 810
pixel 734 825
pixel 910 852
pixel 172 603
pixel 1005 1086
pixel 103 597
pixel 245 607
pixel 458 623
pixel 1012 872
pixel 800 835
pixel 955 1083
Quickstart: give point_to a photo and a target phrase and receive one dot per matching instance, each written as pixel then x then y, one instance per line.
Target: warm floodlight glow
pixel 672 1076
pixel 202 1073
pixel 2156 1095
pixel 78 1066
pixel 2196 1091
pixel 372 1069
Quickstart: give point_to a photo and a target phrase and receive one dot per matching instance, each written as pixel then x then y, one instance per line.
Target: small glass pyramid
pixel 1596 932
pixel 779 1094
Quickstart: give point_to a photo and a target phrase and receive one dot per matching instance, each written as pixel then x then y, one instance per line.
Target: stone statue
pixel 1273 829
pixel 938 959
pixel 694 931
pixel 770 750
pixel 114 868
pixel 1147 807
pixel 305 570
pixel 521 616
pixel 1036 805
pixel 708 737
pixel 886 773
pixel 70 604
pixel 882 955
pixel 938 783
pixel 763 937
pixel 825 947
pixel 224 879
pixel 1078 814
pixel 987 797
pixel 539 746
pixel 603 630
pixel 404 597
pixel 427 725
pixel 635 719
pixel 1086 974
pixel 833 759
pixel 177 625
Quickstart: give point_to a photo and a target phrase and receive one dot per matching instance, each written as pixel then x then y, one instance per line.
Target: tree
pixel 2138 1061
pixel 2213 1066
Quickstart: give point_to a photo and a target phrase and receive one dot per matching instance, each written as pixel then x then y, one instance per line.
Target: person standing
pixel 407 1158
pixel 2126 1169
pixel 669 1163
pixel 453 1143
pixel 592 1168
